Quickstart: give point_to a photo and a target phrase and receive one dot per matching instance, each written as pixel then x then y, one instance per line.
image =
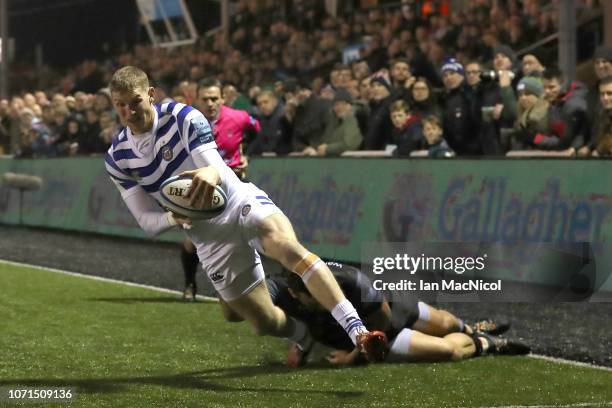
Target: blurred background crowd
pixel 408 78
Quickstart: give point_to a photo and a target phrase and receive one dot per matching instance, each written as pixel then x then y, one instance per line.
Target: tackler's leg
pixel 278 241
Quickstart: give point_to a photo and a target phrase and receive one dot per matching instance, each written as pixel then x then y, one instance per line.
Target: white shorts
pixel 399 347
pixel 227 245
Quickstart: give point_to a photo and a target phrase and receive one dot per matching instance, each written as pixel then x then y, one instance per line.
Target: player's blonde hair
pixel 129 78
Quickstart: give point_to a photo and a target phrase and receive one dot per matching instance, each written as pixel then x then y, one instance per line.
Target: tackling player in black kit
pixel 416 331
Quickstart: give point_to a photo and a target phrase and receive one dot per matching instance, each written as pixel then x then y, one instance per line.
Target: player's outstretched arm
pixel 342 357
pixel 147 213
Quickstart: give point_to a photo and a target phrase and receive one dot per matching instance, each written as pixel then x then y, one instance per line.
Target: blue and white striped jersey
pixel 147 160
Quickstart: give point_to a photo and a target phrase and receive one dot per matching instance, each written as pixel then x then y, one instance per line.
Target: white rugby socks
pixel 346 315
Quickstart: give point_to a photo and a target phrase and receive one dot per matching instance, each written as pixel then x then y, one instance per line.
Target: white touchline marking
pixel 571 362
pixel 108 280
pixel 213 299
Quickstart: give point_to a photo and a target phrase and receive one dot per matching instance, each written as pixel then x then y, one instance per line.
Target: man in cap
pixel 458 117
pixel 531 65
pixel 380 128
pixel 342 131
pixel 532 123
pixel 497 100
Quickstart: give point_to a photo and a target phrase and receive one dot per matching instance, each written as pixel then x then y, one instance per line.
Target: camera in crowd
pixel 492 75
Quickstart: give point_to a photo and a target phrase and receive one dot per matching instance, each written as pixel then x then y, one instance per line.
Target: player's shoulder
pixel 170 107
pixel 119 141
pixel 177 109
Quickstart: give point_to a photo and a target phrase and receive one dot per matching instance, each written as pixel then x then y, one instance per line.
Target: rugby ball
pixel 173 193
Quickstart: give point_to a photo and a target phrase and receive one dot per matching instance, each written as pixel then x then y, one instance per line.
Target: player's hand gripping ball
pixel 174 197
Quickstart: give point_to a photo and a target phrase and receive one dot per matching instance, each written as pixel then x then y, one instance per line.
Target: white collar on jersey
pixel 142 142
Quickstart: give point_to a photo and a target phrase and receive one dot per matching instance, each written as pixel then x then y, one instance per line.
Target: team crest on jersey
pixel 167 153
pixel 246 210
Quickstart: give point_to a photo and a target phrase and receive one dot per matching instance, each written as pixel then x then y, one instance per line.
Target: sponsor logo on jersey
pixel 203 132
pixel 246 210
pixel 167 153
pixel 217 276
pixel 334 264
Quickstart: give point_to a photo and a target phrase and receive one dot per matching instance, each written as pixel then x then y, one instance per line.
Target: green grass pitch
pixel 121 346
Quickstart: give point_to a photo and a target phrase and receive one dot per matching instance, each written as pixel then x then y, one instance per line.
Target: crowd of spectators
pixel 423 79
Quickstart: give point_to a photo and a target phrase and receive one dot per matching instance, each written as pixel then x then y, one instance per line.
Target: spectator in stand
pixel 379 127
pixel 35 140
pixel 401 78
pixel 473 70
pixel 253 93
pixel 360 69
pixel 235 99
pixel 340 76
pixel 437 146
pixel 531 66
pixel 71 104
pixel 423 99
pixel 59 126
pixel 91 141
pixel 15 123
pixel 41 98
pixel 407 129
pixel 504 59
pixel 361 105
pixel 602 62
pixel 68 143
pixel 189 91
pixel 566 113
pixel 274 136
pixel 81 103
pixel 496 100
pixel 532 114
pixel 341 131
pixel 603 143
pixel 102 101
pixel 307 115
pixel 458 111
